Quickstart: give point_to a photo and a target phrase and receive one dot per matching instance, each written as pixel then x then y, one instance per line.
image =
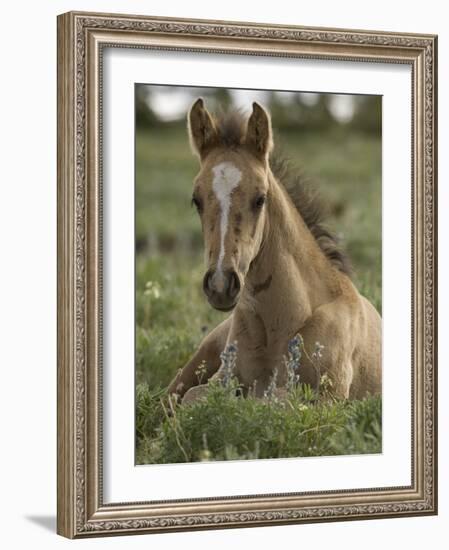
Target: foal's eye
pixel 259 202
pixel 197 203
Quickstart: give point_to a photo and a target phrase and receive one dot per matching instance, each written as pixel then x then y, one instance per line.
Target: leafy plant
pixel 223 425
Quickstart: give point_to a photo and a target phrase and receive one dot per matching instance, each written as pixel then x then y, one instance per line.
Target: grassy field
pixel 172 315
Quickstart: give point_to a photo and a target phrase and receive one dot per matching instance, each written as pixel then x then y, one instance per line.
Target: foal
pixel 273 265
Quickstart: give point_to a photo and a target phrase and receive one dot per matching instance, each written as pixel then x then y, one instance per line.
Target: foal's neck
pixel 290 277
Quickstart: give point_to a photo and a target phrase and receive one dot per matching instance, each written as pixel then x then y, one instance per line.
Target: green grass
pixel 223 426
pixel 172 315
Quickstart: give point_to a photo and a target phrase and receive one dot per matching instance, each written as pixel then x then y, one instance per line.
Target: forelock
pixel 231 128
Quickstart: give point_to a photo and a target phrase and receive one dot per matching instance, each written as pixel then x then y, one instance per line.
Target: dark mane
pixel 231 129
pixel 309 205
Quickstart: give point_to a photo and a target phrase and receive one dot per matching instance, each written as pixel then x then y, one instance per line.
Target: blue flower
pixel 228 359
pixel 292 361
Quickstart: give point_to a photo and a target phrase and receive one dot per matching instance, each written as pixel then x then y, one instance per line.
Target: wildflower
pixel 152 290
pixel 205 454
pixel 325 382
pixel 228 359
pixel 292 361
pixel 201 371
pixel 270 391
pixel 317 354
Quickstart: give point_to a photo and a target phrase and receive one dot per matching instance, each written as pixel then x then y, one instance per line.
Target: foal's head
pixel 230 194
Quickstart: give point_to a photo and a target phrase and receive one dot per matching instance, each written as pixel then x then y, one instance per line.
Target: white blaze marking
pixel 226 178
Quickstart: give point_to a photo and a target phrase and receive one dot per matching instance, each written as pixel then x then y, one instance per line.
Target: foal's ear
pixel 258 134
pixel 202 130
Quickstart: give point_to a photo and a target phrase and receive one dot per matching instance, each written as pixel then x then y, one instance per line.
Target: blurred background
pixel 334 140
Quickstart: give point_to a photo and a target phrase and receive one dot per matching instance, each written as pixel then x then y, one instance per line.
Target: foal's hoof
pixel 193 394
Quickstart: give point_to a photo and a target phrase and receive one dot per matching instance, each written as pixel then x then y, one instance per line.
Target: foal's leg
pixel 209 352
pixel 332 326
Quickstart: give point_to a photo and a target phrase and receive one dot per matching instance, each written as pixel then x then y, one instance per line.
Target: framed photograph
pixel 246 274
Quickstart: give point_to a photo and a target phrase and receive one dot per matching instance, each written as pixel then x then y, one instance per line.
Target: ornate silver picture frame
pixel 82 40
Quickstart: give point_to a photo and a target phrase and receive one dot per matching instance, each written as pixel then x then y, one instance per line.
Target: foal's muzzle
pixel 222 288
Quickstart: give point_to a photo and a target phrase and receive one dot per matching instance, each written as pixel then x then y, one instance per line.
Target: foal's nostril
pixel 234 284
pixel 207 282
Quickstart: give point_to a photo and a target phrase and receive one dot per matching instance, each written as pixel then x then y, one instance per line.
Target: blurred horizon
pixel 168 105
